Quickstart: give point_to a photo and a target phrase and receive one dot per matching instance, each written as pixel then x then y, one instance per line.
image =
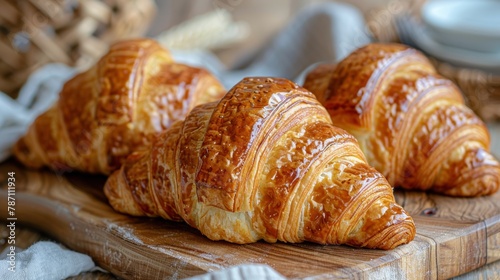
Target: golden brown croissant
pixel 411 124
pixel 135 91
pixel 263 163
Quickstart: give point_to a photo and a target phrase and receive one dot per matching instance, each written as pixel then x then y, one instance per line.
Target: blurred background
pixel 461 37
pixel 264 19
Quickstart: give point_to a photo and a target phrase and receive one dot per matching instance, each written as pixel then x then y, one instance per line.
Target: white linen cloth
pixel 38 93
pixel 242 272
pixel 45 260
pixel 324 32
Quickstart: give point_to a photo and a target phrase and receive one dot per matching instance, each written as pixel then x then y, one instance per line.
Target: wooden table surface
pixel 27 236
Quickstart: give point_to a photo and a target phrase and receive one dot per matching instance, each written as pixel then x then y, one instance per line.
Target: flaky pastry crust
pixel 411 123
pixel 134 92
pixel 263 163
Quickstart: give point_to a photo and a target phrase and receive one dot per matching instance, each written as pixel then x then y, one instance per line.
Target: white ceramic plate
pixel 488 61
pixel 473 25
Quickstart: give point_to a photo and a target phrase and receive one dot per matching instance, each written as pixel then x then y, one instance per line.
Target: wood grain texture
pixel 454 236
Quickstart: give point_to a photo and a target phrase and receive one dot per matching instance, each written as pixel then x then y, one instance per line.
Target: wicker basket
pixel 73 32
pixel 481 89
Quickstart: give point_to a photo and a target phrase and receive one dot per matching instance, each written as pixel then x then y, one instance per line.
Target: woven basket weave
pixel 73 32
pixel 481 89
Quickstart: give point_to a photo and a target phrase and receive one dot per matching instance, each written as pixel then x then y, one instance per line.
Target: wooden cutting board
pixel 454 235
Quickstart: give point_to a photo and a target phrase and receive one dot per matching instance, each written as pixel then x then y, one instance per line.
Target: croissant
pixel 411 123
pixel 263 163
pixel 130 95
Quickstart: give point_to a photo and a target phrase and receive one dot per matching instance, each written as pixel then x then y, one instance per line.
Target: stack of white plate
pixel 463 32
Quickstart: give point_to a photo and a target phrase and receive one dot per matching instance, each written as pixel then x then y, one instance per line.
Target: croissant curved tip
pixel 476 173
pixel 487 184
pixel 24 154
pixel 397 234
pixel 118 194
pixel 384 226
pixel 111 189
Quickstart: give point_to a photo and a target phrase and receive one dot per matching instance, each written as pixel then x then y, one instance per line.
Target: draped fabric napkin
pixel 320 33
pixel 242 272
pixel 40 91
pixel 45 260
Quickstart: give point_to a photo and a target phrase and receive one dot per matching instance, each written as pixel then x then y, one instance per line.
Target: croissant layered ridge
pixel 263 163
pixel 131 94
pixel 411 123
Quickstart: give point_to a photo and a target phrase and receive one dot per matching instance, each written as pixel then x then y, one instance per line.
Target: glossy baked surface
pixel 411 123
pixel 454 236
pixel 135 91
pixel 263 163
